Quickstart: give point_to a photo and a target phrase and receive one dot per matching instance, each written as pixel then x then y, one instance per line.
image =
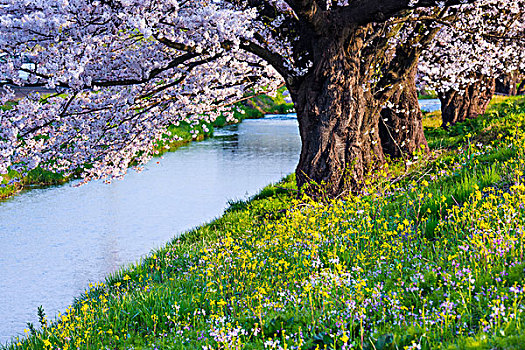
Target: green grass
pixel 484 128
pixel 35 178
pixel 428 95
pixel 468 156
pixel 431 259
pixel 258 107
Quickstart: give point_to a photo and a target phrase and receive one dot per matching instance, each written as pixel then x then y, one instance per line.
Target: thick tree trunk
pixel 337 119
pixel 401 124
pixel 352 73
pixel 457 106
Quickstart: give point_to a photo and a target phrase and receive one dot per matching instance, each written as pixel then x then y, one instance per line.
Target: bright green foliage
pixel 35 178
pixel 260 105
pixel 498 119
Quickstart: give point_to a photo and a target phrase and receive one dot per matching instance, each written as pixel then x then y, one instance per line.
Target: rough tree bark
pixel 349 74
pixel 338 108
pixel 457 106
pixel 401 124
pixel 337 117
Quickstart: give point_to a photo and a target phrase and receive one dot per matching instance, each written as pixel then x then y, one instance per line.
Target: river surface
pixel 54 241
pixel 430 105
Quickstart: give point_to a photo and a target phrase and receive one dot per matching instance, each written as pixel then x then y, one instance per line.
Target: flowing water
pixel 55 241
pixel 430 105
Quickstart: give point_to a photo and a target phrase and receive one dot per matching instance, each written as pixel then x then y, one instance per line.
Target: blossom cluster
pixel 475 41
pixel 124 71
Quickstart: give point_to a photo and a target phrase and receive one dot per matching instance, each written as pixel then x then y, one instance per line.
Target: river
pixel 54 241
pixel 430 105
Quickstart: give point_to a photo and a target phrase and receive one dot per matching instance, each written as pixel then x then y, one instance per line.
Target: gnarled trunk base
pixel 337 120
pixel 508 84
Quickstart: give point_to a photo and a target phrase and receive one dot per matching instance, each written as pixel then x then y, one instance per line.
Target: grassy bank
pixel 261 105
pixel 256 107
pixel 427 95
pixel 428 259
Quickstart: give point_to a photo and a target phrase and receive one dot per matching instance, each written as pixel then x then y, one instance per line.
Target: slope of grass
pixel 432 259
pixel 259 106
pixel 484 128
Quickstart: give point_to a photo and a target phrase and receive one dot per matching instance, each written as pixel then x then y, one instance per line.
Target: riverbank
pixel 428 259
pixel 253 108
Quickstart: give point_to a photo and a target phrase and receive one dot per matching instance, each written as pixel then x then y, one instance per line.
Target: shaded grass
pixel 484 128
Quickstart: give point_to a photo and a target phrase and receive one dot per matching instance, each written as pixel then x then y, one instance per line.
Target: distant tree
pixel 474 48
pixel 401 122
pixel 509 84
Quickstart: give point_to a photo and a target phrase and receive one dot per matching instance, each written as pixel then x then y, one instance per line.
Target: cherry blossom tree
pixel 474 48
pixel 125 71
pixel 129 68
pixel 401 121
pixel 400 124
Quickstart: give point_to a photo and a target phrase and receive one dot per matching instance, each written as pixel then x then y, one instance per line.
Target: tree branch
pixel 274 59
